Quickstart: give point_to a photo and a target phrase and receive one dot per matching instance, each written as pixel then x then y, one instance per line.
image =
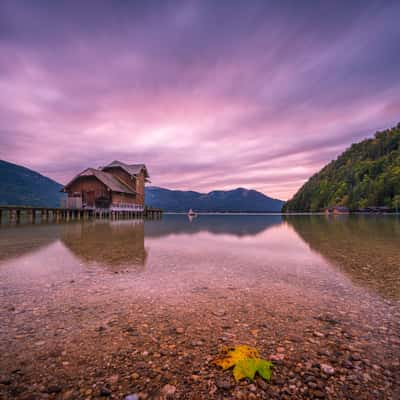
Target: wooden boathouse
pixel 116 187
pixel 114 191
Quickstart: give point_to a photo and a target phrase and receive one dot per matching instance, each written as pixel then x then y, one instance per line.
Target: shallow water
pixel 60 282
pixel 175 254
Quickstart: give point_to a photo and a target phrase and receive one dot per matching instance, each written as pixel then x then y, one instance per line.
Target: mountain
pixel 237 200
pixel 22 186
pixel 367 174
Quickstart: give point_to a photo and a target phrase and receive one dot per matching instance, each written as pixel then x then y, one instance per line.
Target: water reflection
pixel 236 225
pixel 18 240
pixel 115 245
pixel 365 248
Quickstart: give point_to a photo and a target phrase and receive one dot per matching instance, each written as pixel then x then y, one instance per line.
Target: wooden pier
pixel 18 214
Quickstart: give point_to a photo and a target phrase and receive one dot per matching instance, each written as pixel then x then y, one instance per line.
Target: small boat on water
pixel 191 213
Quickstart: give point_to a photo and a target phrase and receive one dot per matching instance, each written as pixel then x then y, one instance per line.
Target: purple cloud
pixel 210 95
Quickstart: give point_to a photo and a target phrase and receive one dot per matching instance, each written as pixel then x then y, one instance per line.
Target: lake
pixel 110 309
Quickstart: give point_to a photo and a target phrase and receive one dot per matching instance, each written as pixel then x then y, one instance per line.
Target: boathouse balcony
pixel 76 203
pixel 126 207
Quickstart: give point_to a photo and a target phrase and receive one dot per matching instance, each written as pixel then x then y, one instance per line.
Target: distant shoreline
pixel 273 213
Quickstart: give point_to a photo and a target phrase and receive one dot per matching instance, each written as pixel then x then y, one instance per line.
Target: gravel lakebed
pixel 92 345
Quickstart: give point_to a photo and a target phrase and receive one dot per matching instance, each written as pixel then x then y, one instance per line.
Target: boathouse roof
pixel 106 178
pixel 132 169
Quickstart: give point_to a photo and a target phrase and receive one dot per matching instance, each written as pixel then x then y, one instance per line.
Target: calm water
pixel 175 254
pixel 271 274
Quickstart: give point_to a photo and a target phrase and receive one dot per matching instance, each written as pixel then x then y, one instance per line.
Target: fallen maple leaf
pixel 234 354
pixel 248 367
pixel 246 362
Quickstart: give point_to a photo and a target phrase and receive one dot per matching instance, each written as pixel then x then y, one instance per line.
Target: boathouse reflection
pixel 116 245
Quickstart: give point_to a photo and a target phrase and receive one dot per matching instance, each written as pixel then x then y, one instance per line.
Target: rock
pixel 113 379
pixel 5 380
pixel 262 384
pixel 327 369
pixel 135 376
pixel 53 389
pixel 68 395
pixel 355 357
pixel 366 377
pixel 179 330
pixel 223 384
pixel 252 387
pixel 131 397
pixel 319 394
pixel 347 364
pixel 219 313
pixel 104 392
pixel 277 357
pixel 168 391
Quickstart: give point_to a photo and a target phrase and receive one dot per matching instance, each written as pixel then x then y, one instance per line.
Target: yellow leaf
pixel 248 368
pixel 234 354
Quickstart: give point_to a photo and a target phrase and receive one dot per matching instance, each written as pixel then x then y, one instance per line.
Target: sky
pixel 208 94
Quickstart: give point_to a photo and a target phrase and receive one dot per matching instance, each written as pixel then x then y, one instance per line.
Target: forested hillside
pixel 367 174
pixel 22 186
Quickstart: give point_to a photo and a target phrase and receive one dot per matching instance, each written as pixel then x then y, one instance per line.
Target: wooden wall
pixel 124 198
pixel 90 188
pixel 140 181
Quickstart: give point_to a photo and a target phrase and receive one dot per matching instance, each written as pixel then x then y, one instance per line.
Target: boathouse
pixel 115 187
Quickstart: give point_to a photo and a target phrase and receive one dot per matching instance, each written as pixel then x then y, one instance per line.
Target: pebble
pixel 131 397
pixel 252 387
pixel 4 380
pixel 68 395
pixel 327 369
pixel 277 357
pixel 113 379
pixel 168 391
pixel 319 394
pixel 53 389
pixel 179 330
pixel 104 392
pixel 223 384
